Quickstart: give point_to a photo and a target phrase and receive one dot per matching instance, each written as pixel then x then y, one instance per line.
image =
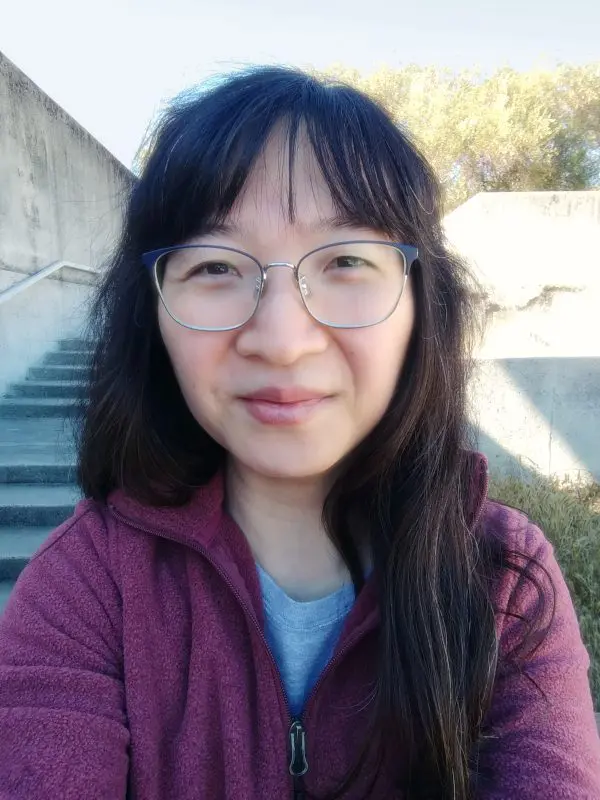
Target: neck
pixel 281 520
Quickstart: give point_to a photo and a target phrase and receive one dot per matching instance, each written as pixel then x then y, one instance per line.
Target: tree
pixel 519 131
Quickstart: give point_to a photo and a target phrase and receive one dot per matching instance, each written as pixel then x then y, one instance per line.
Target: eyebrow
pixel 320 225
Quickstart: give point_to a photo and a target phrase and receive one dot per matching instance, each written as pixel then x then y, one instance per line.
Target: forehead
pixel 272 190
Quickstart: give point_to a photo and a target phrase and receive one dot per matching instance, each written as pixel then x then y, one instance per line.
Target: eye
pixel 347 262
pixel 214 269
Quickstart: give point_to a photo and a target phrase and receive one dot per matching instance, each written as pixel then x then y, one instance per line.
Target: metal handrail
pixel 20 286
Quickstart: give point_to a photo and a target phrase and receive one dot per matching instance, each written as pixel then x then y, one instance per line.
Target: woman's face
pixel 282 353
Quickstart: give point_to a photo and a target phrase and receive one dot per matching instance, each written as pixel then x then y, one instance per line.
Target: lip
pixel 283 395
pixel 283 406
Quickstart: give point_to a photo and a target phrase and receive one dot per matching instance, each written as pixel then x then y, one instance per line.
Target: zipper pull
pixel 298 762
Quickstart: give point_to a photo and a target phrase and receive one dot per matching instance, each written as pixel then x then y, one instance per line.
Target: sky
pixel 113 64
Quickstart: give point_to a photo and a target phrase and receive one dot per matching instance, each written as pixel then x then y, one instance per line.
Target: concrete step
pixel 18 407
pixel 67 357
pixel 17 545
pixel 71 389
pixel 76 344
pixel 56 372
pixel 36 504
pixel 36 442
pixel 38 473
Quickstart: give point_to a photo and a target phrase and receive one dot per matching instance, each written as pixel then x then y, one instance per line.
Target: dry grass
pixel 569 515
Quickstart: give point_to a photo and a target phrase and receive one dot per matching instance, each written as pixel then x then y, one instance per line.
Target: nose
pixel 281 331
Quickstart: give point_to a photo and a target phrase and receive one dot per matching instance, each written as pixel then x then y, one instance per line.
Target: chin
pixel 285 465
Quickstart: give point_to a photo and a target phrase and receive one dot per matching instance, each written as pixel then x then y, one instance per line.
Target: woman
pixel 286 579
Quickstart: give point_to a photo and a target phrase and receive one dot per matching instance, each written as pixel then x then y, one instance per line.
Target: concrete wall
pixel 536 393
pixel 61 195
pixel 60 190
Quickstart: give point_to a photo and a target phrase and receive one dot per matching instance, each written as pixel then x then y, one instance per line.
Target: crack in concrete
pixel 544 298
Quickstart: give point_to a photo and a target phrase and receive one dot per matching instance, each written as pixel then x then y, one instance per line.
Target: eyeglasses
pixel 352 284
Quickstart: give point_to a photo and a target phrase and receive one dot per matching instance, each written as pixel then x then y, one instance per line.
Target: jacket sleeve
pixel 541 748
pixel 63 731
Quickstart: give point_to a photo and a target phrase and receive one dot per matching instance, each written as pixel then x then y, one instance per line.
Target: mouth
pixel 279 406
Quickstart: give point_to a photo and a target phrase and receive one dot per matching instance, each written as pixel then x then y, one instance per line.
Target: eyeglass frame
pixel 150 258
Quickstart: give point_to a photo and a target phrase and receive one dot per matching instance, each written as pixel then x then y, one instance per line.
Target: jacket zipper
pixel 298 762
pixel 298 766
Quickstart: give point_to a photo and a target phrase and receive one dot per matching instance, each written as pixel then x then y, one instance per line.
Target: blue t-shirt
pixel 302 635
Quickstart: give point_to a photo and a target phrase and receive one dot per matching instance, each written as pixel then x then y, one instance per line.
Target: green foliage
pixel 511 131
pixel 569 515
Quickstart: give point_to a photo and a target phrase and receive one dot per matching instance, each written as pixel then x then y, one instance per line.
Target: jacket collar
pixel 199 519
pixel 203 521
pixel 204 516
pixel 203 524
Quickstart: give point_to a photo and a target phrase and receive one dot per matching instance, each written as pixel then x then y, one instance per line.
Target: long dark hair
pixel 407 488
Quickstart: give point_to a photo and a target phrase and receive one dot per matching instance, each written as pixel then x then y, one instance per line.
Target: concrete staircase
pixel 37 459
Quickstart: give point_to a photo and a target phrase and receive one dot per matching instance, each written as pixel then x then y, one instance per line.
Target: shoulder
pixel 83 547
pixel 70 585
pixel 87 523
pixel 524 557
pixel 513 529
pixel 530 583
pixel 541 702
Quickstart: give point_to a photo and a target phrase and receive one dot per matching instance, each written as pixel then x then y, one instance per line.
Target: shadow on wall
pixel 500 461
pixel 545 411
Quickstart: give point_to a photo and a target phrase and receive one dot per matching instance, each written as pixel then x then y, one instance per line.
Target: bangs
pixel 208 142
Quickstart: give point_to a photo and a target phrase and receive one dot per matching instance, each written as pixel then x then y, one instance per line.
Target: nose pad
pixel 258 288
pixel 304 287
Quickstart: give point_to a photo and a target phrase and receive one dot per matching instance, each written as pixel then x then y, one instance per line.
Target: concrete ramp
pixel 536 395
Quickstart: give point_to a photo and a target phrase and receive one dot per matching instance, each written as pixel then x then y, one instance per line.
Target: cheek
pixel 195 357
pixel 376 355
pixel 376 366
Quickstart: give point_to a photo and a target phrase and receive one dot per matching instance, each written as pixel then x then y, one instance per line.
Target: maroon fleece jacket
pixel 133 663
